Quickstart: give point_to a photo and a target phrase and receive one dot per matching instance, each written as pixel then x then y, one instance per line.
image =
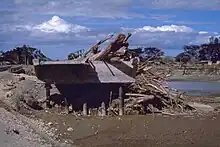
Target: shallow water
pixel 196 88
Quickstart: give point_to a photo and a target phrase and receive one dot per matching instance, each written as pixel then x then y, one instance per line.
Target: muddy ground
pixel 25 126
pixel 140 131
pixel 127 131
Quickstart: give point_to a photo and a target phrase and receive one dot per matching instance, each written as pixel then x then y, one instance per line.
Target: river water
pixel 196 87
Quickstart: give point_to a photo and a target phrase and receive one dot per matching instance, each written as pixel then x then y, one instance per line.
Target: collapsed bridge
pixel 111 77
pixel 102 72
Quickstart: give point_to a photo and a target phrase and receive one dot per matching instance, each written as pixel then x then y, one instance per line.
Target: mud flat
pixel 123 131
pixel 145 130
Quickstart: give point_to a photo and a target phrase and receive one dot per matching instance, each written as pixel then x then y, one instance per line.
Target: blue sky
pixel 59 27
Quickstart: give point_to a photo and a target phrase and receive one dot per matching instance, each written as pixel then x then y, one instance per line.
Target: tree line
pixel 207 51
pixel 22 55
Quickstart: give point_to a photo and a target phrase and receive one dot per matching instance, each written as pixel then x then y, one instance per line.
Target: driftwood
pixel 119 42
pixel 135 95
pixel 16 69
pixel 95 47
pixel 151 93
pixel 4 67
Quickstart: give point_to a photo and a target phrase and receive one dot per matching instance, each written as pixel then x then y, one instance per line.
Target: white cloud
pixel 165 28
pixel 163 17
pixel 57 31
pixel 203 32
pixel 167 36
pixel 55 25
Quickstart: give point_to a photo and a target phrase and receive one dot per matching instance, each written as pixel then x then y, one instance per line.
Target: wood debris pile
pixel 151 95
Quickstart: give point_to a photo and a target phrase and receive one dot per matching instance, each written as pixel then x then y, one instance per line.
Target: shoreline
pixel 196 77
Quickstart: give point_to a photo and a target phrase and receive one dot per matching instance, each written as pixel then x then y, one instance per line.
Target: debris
pixel 201 107
pixel 70 129
pixel 17 69
pixel 16 131
pixel 8 94
pixel 85 113
pixel 50 124
pixel 21 78
pixel 112 48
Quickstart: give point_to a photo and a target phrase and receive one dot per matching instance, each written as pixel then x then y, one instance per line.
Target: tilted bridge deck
pixel 77 72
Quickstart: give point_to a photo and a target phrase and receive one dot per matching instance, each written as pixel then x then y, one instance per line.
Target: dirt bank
pixel 19 131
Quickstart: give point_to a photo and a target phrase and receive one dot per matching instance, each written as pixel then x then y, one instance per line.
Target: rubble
pixel 69 129
pixel 149 94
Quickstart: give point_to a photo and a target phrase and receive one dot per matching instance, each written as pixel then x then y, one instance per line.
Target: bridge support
pixel 48 87
pixel 121 98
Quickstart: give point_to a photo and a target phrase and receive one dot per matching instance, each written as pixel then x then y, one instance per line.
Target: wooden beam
pixel 103 109
pixel 85 112
pixel 48 87
pixel 121 104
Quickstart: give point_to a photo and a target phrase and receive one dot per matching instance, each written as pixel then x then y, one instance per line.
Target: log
pixel 103 111
pixel 85 113
pixel 166 113
pixel 110 98
pixel 112 47
pixel 136 95
pixel 66 105
pixel 16 69
pixel 121 104
pixel 134 101
pixel 47 87
pixel 4 67
pixel 95 47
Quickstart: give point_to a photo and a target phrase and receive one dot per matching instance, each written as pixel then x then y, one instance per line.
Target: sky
pixel 58 27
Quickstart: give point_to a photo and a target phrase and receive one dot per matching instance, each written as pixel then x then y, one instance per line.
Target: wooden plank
pixel 64 62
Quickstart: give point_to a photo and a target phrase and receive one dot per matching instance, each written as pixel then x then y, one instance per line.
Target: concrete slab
pixel 73 72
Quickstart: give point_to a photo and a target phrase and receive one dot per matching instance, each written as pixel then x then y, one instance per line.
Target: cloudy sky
pixel 59 27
